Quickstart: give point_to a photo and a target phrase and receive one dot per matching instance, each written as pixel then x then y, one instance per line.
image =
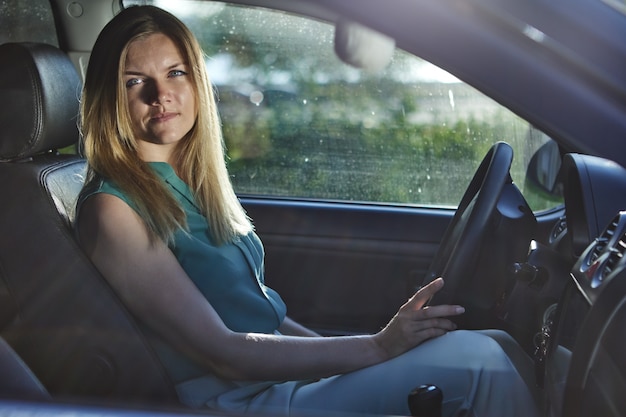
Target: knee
pixel 478 349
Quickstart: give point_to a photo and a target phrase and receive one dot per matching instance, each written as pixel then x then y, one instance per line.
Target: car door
pixel 342 267
pixel 351 176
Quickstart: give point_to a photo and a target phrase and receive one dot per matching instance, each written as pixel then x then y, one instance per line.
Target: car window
pixel 27 21
pixel 300 123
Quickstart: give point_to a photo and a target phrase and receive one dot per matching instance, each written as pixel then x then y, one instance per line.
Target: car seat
pixel 56 311
pixel 17 380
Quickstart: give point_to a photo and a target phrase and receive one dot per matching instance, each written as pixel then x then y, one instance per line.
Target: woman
pixel 160 220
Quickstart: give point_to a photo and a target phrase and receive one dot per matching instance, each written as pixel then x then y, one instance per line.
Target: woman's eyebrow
pixel 177 64
pixel 130 72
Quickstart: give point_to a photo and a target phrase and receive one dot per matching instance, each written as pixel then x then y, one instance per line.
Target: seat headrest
pixel 39 91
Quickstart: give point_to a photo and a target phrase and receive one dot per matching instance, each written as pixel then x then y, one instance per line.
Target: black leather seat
pixel 17 380
pixel 56 311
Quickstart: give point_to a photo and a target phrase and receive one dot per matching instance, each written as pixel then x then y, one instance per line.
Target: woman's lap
pixel 472 370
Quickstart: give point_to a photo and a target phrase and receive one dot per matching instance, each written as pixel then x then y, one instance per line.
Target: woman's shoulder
pixel 106 216
pixel 98 192
pixel 99 185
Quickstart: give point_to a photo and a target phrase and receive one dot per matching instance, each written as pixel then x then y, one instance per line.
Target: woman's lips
pixel 163 117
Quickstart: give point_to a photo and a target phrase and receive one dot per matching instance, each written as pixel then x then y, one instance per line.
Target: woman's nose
pixel 160 93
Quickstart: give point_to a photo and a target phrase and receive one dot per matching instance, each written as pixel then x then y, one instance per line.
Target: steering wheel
pixel 457 256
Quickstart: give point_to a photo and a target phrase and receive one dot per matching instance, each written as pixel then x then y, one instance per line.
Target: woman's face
pixel 161 96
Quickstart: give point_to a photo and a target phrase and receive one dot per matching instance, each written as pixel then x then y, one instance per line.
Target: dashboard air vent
pixel 603 240
pixel 558 230
pixel 616 255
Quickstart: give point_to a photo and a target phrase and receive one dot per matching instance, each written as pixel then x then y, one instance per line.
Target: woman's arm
pixel 292 328
pixel 153 285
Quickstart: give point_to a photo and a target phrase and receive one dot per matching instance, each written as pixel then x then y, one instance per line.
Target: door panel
pixel 345 268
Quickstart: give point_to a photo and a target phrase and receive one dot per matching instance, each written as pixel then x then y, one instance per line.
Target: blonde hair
pixel 111 148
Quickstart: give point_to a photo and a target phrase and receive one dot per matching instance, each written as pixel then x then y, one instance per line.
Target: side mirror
pixel 542 173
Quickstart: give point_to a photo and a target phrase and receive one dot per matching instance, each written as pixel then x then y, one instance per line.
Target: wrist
pixel 385 348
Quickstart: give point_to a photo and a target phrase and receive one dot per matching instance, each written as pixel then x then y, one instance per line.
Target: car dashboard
pixel 578 351
pixel 581 348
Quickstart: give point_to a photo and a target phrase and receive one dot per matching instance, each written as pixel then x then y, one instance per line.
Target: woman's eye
pixel 133 81
pixel 176 73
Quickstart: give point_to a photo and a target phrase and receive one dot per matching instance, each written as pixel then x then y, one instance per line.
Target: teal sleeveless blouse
pixel 230 276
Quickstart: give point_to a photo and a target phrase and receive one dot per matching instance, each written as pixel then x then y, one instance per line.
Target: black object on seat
pixel 56 311
pixel 426 401
pixel 586 366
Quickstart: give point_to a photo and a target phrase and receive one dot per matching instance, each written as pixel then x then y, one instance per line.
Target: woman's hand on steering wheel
pixel 416 322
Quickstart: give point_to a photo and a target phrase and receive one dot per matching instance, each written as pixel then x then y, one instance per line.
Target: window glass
pixel 27 21
pixel 300 123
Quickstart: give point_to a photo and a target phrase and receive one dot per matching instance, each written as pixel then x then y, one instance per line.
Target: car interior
pixel 65 337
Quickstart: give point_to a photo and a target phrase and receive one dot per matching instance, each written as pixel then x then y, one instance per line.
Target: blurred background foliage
pixel 300 123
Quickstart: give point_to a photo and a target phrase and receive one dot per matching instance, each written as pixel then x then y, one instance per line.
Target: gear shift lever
pixel 425 401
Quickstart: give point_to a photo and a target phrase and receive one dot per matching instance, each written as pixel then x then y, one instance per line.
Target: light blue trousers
pixel 477 377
